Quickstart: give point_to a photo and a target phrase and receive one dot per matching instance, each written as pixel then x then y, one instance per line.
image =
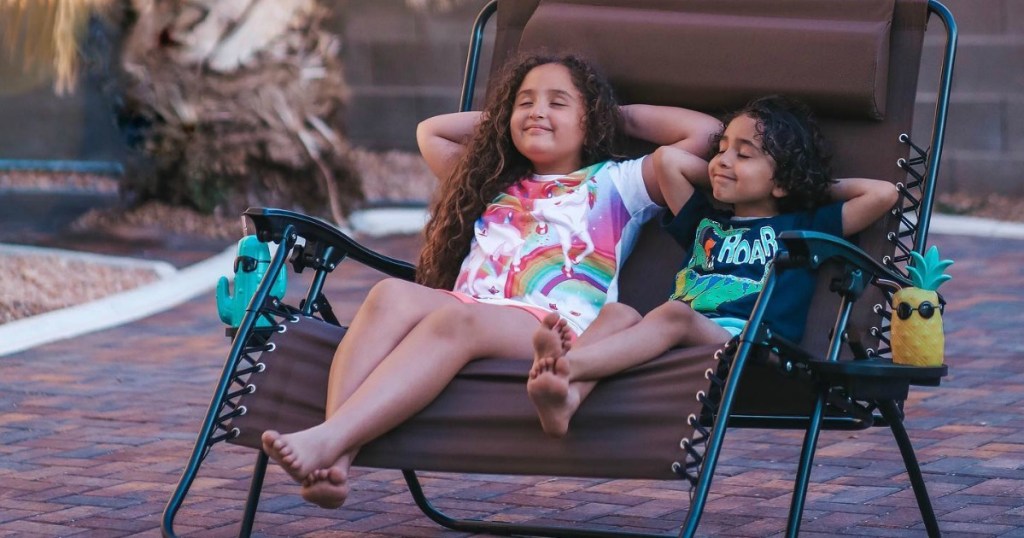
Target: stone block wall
pixel 403 65
pixel 35 124
pixel 984 144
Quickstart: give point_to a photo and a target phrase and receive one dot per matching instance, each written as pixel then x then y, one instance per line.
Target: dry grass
pixel 44 35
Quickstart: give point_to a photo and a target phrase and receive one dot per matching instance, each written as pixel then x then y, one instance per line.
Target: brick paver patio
pixel 94 433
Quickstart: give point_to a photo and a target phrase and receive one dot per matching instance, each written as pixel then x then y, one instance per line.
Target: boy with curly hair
pixel 771 167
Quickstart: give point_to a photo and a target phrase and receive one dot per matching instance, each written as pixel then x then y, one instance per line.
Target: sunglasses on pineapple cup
pixel 926 309
pixel 248 264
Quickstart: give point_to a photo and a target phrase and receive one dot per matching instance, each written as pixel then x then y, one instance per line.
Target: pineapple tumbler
pixel 917 337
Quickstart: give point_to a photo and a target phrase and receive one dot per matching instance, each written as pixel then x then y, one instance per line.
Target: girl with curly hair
pixel 536 216
pixel 771 167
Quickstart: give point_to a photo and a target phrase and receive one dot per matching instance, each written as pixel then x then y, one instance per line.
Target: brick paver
pixel 94 433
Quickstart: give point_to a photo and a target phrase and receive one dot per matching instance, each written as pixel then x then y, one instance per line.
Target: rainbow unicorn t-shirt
pixel 558 242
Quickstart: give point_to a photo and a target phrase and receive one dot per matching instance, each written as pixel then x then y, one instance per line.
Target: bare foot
pixel 548 387
pixel 300 453
pixel 327 488
pixel 551 341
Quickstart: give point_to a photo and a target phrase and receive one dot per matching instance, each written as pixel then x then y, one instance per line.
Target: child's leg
pixel 672 324
pixel 612 318
pixel 566 378
pixel 404 382
pixel 391 309
pixel 552 392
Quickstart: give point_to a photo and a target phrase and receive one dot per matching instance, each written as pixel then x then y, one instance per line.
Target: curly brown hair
pixel 492 163
pixel 790 135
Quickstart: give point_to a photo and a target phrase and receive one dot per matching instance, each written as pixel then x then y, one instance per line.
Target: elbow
pixel 881 199
pixel 712 127
pixel 665 160
pixel 422 133
pixel 889 194
pixel 658 157
pixel 705 134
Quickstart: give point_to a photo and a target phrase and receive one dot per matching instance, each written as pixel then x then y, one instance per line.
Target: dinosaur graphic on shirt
pixel 705 290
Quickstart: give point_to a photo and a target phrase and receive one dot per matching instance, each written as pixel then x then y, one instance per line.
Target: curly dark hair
pixel 492 163
pixel 790 135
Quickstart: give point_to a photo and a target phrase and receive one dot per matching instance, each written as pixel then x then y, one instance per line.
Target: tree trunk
pixel 235 103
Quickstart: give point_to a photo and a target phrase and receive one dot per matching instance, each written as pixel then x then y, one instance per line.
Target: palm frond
pixel 41 38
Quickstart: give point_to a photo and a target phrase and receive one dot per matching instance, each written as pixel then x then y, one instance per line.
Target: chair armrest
pixel 866 378
pixel 812 249
pixel 329 245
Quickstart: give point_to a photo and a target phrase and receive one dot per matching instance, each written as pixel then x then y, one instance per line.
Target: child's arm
pixel 686 130
pixel 677 172
pixel 671 126
pixel 442 140
pixel 866 201
pixel 676 167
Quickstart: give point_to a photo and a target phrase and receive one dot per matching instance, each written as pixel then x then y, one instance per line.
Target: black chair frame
pixel 867 391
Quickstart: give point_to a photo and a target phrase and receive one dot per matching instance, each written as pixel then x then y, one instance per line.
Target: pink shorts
pixel 535 311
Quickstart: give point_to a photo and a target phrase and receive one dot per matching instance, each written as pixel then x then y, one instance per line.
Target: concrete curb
pixel 388 221
pixel 975 227
pixel 180 286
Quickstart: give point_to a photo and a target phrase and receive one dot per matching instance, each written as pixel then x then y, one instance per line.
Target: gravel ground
pixel 31 285
pixel 47 181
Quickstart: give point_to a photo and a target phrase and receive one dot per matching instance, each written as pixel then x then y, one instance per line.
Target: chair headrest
pixel 717 55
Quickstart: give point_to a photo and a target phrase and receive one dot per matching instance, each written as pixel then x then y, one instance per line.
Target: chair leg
pixel 893 416
pixel 206 438
pixel 703 487
pixel 803 475
pixel 507 529
pixel 246 335
pixel 746 346
pixel 259 471
pixel 181 490
pixel 714 447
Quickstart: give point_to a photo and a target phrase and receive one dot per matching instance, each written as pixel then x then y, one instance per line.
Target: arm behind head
pixel 866 201
pixel 443 140
pixel 685 136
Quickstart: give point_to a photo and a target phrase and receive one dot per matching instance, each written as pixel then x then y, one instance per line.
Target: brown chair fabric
pixel 711 55
pixel 631 426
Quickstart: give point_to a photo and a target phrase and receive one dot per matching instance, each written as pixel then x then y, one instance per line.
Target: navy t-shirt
pixel 730 260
